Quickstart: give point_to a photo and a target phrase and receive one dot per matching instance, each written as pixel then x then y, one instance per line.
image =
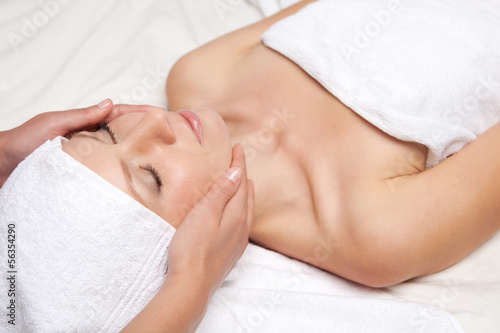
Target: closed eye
pixel 149 167
pixel 106 128
pixel 155 174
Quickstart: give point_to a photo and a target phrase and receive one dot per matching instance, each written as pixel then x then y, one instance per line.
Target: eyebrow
pixel 150 168
pixel 124 167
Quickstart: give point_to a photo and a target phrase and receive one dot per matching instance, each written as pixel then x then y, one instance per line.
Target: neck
pixel 279 179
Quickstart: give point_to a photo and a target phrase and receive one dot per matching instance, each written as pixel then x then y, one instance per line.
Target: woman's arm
pixel 429 221
pixel 203 251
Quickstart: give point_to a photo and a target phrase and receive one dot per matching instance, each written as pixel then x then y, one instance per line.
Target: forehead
pixel 88 149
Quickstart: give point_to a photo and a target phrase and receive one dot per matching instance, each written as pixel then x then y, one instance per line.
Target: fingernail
pixel 104 103
pixel 233 174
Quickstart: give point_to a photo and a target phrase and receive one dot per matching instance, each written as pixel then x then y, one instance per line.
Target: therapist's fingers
pixel 24 139
pixel 234 226
pixel 200 245
pixel 221 192
pixel 67 122
pixel 251 203
pixel 48 125
pixel 227 186
pixel 214 234
pixel 236 209
pixel 239 202
pixel 121 109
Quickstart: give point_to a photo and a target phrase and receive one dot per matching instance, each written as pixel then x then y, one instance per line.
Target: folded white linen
pixel 86 256
pixel 268 292
pixel 422 71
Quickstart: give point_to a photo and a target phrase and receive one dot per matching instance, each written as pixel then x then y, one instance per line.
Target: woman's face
pixel 165 160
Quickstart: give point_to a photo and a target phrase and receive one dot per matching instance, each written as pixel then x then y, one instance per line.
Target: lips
pixel 194 122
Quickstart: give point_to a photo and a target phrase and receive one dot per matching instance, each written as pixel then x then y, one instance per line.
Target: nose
pixel 153 129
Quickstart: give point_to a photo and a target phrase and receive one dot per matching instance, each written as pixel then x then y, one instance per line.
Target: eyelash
pixel 105 127
pixel 156 175
pixel 154 172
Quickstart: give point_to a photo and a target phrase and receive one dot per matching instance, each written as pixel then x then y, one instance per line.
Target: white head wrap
pixel 87 256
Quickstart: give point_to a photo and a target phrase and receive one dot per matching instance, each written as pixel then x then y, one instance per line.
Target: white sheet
pixel 268 292
pixel 67 54
pixel 80 52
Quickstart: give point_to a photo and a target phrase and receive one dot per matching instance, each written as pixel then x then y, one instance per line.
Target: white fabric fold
pixel 88 257
pixel 422 71
pixel 268 292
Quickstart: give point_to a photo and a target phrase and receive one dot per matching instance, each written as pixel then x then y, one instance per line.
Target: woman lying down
pixel 373 152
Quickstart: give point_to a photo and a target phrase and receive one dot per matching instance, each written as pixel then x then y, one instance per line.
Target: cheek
pixel 187 187
pixel 192 185
pixel 216 163
pixel 188 182
pixel 180 200
pixel 199 173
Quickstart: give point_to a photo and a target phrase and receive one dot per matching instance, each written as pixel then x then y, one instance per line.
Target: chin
pixel 215 128
pixel 212 117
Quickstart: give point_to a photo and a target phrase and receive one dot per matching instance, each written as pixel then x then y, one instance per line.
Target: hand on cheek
pixel 214 235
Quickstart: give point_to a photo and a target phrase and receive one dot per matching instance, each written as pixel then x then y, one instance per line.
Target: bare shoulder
pixel 208 71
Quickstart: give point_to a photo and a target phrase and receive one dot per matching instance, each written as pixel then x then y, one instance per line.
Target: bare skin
pixel 212 235
pixel 332 189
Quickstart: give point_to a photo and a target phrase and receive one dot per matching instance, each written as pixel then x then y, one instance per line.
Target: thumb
pixel 85 118
pixel 220 193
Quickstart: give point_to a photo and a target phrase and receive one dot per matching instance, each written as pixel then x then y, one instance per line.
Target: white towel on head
pixel 88 257
pixel 423 71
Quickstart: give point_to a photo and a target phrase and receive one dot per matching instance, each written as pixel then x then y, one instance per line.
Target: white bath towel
pixel 423 71
pixel 86 256
pixel 268 292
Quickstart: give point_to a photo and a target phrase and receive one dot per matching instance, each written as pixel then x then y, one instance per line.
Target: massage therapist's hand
pixel 214 235
pixel 201 254
pixel 19 142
